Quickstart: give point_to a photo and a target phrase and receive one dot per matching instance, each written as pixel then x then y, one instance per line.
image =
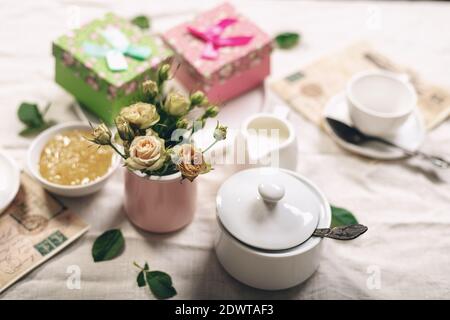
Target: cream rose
pixel 146 153
pixel 189 160
pixel 176 104
pixel 141 115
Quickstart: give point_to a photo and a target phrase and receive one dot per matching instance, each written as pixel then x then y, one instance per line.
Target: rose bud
pixel 211 112
pixel 150 88
pixel 140 115
pixel 163 73
pixel 182 123
pixel 220 133
pixel 198 98
pixel 102 135
pixel 124 129
pixel 176 104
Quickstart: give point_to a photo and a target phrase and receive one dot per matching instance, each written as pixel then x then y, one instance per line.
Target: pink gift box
pixel 236 68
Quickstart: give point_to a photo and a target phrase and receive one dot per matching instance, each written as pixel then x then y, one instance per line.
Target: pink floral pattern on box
pixel 231 60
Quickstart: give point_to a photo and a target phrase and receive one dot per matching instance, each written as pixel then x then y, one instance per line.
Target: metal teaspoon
pixel 354 136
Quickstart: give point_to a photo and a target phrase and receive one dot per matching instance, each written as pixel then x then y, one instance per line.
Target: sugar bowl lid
pixel 270 208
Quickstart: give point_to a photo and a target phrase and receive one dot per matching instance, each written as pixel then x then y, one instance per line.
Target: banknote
pixel 308 89
pixel 34 228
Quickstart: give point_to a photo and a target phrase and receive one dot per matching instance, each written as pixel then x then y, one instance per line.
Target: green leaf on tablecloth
pixel 160 284
pixel 32 131
pixel 30 115
pixel 108 245
pixel 141 279
pixel 341 217
pixel 287 40
pixel 141 276
pixel 141 21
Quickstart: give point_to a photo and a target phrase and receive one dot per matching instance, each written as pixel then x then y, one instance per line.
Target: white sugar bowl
pixel 266 219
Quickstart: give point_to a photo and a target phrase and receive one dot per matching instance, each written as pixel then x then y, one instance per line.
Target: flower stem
pixel 212 144
pixel 136 265
pixel 117 151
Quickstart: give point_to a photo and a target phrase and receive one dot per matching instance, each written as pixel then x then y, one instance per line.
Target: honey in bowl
pixel 70 159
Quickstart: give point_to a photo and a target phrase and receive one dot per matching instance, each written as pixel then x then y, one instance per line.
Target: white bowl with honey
pixel 66 163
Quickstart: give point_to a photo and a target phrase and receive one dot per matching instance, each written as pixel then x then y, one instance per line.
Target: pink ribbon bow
pixel 214 41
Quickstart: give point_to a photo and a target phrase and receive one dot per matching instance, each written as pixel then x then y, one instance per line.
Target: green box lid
pixel 94 70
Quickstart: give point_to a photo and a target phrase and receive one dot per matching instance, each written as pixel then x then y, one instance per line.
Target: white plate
pixel 410 135
pixel 9 181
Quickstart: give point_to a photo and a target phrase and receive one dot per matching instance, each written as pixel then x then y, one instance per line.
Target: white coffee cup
pixel 380 101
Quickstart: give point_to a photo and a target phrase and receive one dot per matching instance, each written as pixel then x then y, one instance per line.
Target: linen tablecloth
pixel 405 253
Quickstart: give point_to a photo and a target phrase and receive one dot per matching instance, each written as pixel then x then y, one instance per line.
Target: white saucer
pixel 9 182
pixel 410 135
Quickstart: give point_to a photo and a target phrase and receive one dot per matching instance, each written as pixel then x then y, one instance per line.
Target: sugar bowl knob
pixel 271 192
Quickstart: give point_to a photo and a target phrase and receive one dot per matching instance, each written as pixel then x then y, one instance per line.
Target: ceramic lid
pixel 270 208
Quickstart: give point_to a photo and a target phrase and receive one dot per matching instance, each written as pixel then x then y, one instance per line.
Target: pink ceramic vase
pixel 159 204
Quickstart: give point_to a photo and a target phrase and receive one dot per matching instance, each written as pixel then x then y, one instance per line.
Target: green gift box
pixel 89 64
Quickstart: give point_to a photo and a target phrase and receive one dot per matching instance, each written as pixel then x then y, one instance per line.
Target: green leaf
pixel 341 217
pixel 30 115
pixel 108 245
pixel 287 40
pixel 160 284
pixel 30 131
pixel 141 21
pixel 141 279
